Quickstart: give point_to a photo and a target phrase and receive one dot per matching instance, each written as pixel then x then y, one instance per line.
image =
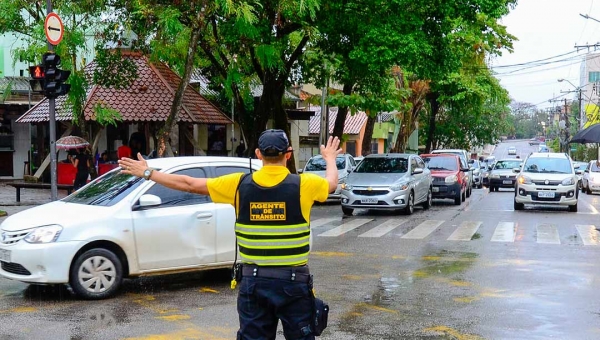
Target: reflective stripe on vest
pixel 270 228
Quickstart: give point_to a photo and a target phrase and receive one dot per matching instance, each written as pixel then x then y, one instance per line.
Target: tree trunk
pixel 340 119
pixel 435 107
pixel 270 106
pixel 163 146
pixel 368 136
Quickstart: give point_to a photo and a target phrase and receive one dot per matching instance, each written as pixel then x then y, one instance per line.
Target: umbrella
pixel 71 142
pixel 591 134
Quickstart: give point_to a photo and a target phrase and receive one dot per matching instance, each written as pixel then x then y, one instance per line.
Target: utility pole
pixel 567 129
pixel 52 130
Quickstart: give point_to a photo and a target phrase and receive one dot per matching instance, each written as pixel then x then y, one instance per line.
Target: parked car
pixel 590 181
pixel 512 150
pixel 465 157
pixel 449 176
pixel 547 178
pixel 120 226
pixel 345 164
pixel 387 181
pixel 488 163
pixel 477 173
pixel 534 141
pixel 502 175
pixel 581 166
pixel 357 159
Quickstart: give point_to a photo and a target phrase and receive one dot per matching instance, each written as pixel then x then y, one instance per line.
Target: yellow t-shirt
pixel 312 187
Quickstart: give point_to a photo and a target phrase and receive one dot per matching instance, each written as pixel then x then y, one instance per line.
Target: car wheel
pixel 347 211
pixel 587 189
pixel 469 189
pixel 573 208
pixel 464 195
pixel 518 206
pixel 96 274
pixel 410 204
pixel 491 188
pixel 429 200
pixel 458 198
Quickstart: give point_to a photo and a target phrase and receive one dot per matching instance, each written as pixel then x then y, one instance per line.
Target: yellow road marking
pixel 452 332
pixel 331 253
pixel 20 310
pixel 208 290
pixel 176 317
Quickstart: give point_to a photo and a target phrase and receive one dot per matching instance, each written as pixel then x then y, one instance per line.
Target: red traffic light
pixel 36 72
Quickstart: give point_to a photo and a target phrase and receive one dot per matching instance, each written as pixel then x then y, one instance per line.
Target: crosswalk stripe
pixel 505 232
pixel 383 228
pixel 423 229
pixel 547 234
pixel 323 221
pixel 589 234
pixel 465 231
pixel 346 227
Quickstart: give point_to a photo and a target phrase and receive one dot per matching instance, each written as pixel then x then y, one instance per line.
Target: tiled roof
pixel 203 83
pixel 149 98
pixel 353 125
pixel 17 84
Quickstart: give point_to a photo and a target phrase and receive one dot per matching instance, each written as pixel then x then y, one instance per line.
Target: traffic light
pixel 54 77
pixel 37 78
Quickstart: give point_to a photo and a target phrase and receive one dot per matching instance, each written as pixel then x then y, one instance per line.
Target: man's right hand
pixel 332 149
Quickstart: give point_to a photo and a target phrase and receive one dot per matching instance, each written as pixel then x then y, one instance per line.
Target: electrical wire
pixel 533 61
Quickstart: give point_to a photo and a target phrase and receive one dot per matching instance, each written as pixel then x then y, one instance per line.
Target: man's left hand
pixel 132 167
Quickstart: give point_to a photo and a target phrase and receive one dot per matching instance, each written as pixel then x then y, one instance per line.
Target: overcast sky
pixel 546 29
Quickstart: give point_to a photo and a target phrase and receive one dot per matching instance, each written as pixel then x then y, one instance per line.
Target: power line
pixel 533 61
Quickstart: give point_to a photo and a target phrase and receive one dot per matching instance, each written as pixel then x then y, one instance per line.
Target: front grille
pixel 509 176
pixel 439 180
pixel 370 192
pixel 12 237
pixel 543 182
pixel 357 202
pixel 14 268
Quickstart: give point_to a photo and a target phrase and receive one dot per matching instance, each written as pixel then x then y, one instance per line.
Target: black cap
pixel 273 143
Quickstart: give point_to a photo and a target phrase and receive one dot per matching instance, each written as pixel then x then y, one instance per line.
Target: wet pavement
pixel 475 271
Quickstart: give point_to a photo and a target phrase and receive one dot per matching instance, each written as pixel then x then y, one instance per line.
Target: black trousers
pixel 80 179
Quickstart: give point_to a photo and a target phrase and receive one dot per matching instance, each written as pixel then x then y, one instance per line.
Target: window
pixel 107 190
pixel 318 163
pixel 382 165
pixel 443 163
pixel 351 148
pixel 413 164
pixel 548 165
pixel 226 170
pixel 176 198
pixel 594 77
pixel 420 163
pixel 374 146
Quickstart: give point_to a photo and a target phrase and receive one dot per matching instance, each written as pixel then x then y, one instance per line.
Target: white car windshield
pixel 507 164
pixel 318 164
pixel 595 167
pixel 548 165
pixel 383 165
pixel 106 190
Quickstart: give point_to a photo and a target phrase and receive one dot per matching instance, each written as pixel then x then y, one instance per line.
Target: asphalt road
pixel 475 271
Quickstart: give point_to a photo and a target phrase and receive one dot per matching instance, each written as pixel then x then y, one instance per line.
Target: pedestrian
pixel 273 234
pixel 80 161
pixel 241 149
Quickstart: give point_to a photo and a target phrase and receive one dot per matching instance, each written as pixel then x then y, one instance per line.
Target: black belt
pixel 299 274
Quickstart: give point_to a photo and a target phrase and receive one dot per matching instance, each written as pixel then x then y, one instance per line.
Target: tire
pixel 106 265
pixel 468 191
pixel 573 208
pixel 428 201
pixel 587 189
pixel 464 195
pixel 458 199
pixel 347 211
pixel 518 206
pixel 491 188
pixel 410 204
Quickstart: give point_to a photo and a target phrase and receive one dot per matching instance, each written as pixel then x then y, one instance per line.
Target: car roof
pixel 510 160
pixel 440 155
pixel 548 155
pixel 170 162
pixel 389 155
pixel 343 155
pixel 448 150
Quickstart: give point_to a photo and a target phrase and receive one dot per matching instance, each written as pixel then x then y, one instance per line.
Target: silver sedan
pixel 389 181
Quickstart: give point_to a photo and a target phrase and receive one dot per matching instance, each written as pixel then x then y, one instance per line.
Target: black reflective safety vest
pixel 270 228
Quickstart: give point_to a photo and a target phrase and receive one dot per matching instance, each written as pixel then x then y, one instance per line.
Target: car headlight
pixel 569 181
pixel 45 234
pixel 347 186
pixel 525 180
pixel 494 176
pixel 451 179
pixel 399 186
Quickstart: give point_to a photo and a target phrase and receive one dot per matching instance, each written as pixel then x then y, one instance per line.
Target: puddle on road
pixel 445 263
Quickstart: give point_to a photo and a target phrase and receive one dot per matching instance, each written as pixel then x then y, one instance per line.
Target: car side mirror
pixel 517 170
pixel 578 172
pixel 300 171
pixel 465 170
pixel 417 171
pixel 471 169
pixel 587 170
pixel 147 201
pixel 490 168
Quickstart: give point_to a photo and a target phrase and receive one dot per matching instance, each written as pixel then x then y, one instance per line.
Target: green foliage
pixel 6 91
pixel 112 70
pixel 106 115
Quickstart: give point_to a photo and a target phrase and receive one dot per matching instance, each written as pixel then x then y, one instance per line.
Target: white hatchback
pixel 122 226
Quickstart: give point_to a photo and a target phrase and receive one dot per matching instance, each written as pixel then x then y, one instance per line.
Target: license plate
pixel 369 200
pixel 4 255
pixel 546 194
pixel 507 182
pixel 436 189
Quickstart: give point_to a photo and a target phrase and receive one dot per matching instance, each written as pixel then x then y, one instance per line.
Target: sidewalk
pixel 29 198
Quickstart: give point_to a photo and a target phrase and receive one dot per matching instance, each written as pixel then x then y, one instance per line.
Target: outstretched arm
pixel 178 182
pixel 330 153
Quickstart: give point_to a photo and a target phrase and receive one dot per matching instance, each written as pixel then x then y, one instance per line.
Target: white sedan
pixel 512 150
pixel 122 226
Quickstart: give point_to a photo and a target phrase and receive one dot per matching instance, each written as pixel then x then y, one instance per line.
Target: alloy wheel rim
pixel 411 203
pixel 97 274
